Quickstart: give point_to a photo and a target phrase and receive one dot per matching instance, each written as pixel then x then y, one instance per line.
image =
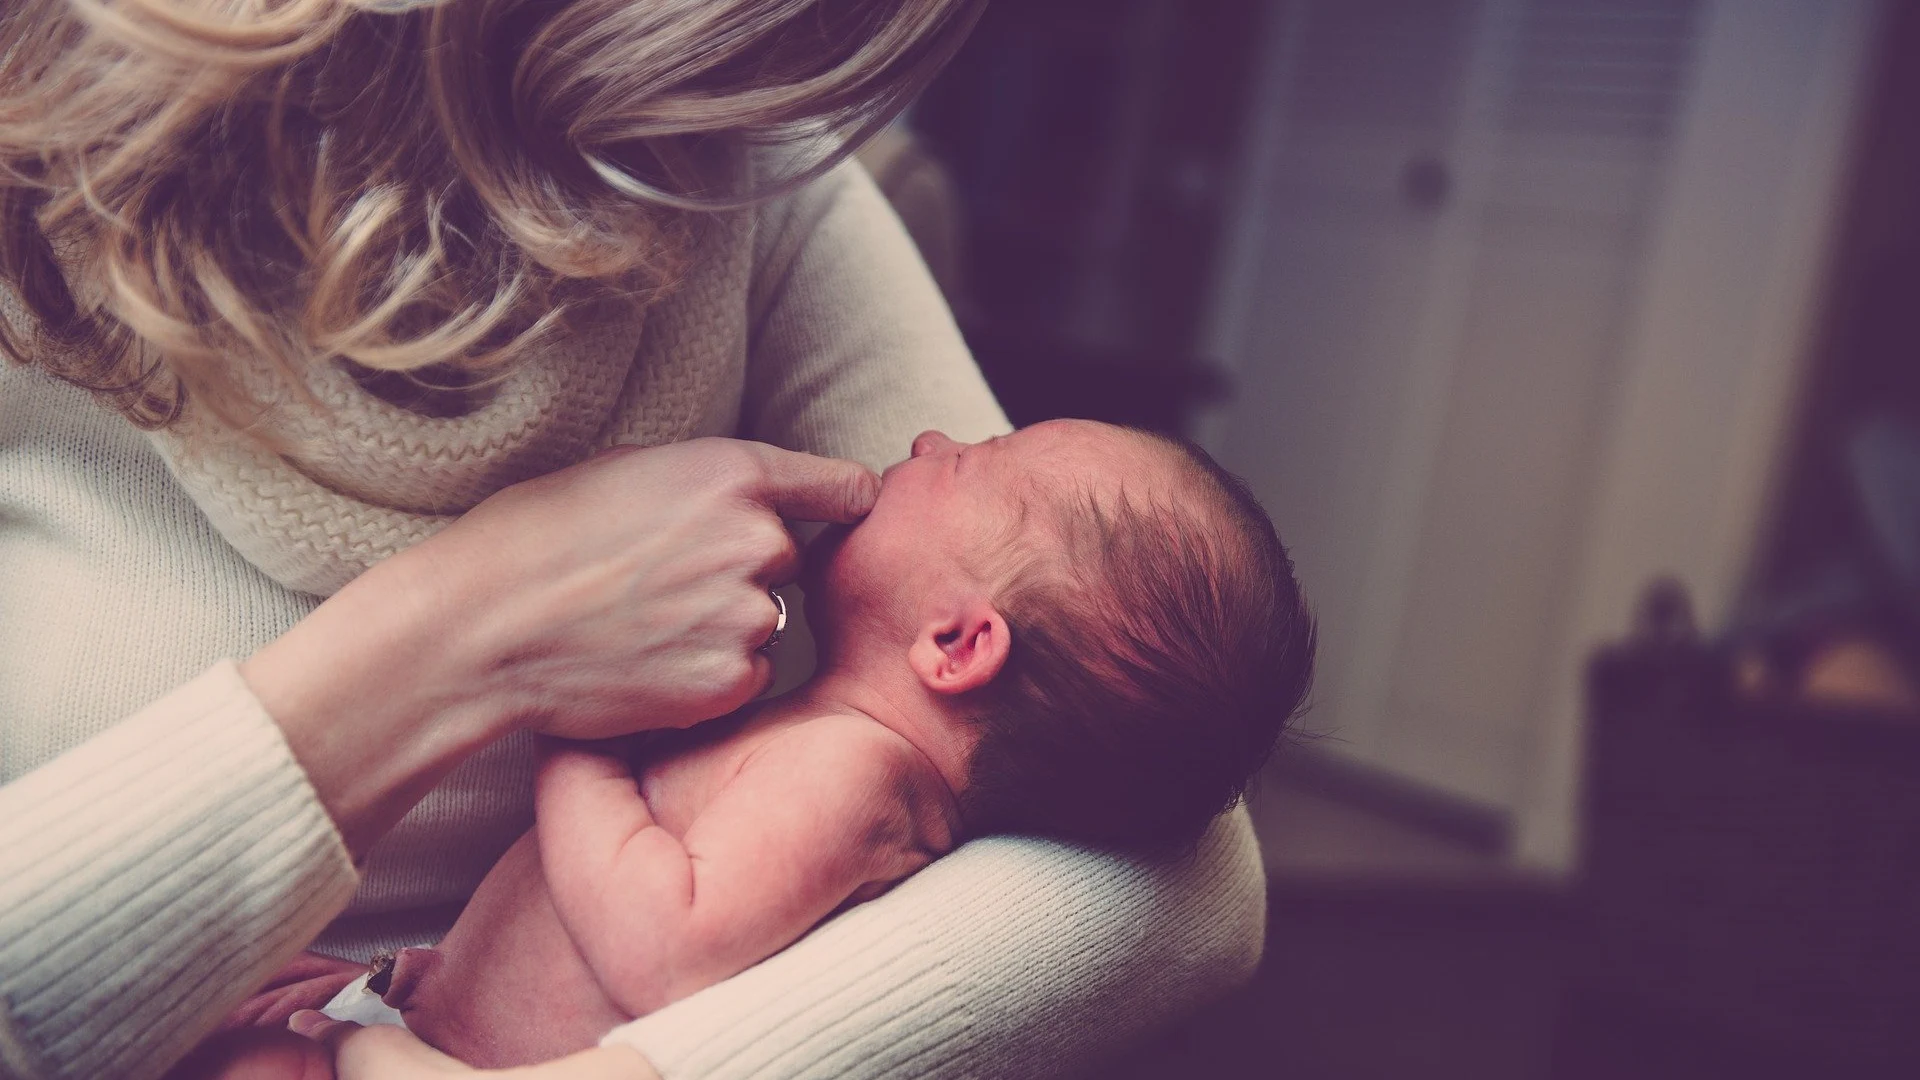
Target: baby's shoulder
pixel 879 777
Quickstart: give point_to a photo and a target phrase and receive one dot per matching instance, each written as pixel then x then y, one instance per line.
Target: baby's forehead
pixel 1090 444
pixel 1103 490
pixel 1086 479
pixel 1090 456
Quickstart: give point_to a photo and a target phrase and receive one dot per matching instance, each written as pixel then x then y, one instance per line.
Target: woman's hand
pixel 625 593
pixel 630 592
pixel 392 1053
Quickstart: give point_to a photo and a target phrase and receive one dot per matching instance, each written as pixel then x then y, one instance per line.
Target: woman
pixel 344 299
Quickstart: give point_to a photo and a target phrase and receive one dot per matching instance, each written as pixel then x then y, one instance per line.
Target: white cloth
pixel 359 1005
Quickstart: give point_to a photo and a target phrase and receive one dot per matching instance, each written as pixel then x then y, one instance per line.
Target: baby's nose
pixel 931 442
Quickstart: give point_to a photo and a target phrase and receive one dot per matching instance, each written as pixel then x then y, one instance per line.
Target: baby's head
pixel 1107 615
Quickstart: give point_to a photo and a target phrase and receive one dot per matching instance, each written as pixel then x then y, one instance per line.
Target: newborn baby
pixel 1075 631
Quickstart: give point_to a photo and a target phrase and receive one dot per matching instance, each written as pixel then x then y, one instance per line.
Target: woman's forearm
pixel 1008 957
pixel 373 695
pixel 600 1063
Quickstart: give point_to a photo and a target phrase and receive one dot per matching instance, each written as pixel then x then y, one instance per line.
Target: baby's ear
pixel 962 651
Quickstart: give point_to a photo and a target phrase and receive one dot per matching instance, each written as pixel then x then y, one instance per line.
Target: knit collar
pixel 374 478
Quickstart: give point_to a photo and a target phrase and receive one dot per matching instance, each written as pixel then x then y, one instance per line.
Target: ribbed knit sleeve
pixel 153 876
pixel 853 350
pixel 1008 957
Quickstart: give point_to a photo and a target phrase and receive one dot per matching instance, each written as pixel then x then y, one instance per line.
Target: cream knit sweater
pixel 161 852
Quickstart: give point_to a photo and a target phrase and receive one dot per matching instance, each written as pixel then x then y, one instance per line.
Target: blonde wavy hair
pixel 421 186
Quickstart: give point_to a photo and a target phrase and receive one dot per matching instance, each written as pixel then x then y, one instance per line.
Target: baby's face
pixel 950 516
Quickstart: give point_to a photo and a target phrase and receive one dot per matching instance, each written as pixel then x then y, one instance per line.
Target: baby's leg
pixel 256 1054
pixel 308 982
pixel 507 987
pixel 253 1042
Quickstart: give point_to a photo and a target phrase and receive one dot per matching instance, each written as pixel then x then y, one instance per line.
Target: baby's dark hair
pixel 1155 664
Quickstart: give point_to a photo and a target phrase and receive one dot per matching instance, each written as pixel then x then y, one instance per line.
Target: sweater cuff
pixel 153 876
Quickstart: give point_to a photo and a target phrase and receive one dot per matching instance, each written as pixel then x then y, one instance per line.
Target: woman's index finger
pixel 803 487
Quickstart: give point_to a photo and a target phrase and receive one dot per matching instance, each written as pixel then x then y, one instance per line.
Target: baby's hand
pixel 566 762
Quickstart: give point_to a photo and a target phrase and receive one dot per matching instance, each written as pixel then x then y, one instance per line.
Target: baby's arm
pixel 811 817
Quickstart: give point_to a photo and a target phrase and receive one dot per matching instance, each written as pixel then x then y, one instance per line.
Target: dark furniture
pixel 1751 900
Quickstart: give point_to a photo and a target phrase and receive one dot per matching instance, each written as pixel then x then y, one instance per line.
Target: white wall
pixel 1483 424
pixel 1728 302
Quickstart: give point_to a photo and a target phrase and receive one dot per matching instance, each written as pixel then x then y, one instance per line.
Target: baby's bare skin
pixel 627 896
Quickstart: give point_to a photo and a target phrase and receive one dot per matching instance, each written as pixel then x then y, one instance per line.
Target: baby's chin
pixel 817 559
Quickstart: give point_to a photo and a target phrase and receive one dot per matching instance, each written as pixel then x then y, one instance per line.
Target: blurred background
pixel 1571 345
